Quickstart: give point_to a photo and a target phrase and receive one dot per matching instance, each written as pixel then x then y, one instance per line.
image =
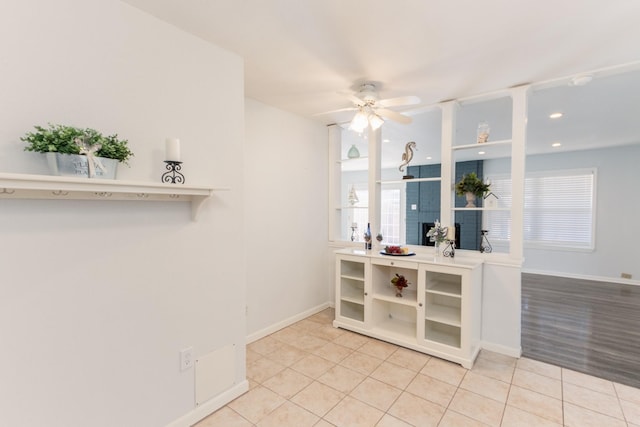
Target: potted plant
pixel 471 186
pixel 400 283
pixel 437 234
pixel 75 151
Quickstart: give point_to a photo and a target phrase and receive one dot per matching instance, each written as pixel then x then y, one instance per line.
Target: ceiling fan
pixel 372 111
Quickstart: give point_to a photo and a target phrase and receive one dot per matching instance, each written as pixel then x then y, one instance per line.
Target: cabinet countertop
pixel 422 258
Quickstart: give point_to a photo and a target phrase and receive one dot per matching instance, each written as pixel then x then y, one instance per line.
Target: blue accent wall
pixel 426 197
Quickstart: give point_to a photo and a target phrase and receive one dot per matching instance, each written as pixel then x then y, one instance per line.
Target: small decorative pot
pixel 399 291
pixel 78 165
pixel 471 199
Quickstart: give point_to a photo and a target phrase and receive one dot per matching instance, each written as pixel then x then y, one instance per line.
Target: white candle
pixel 173 149
pixel 451 232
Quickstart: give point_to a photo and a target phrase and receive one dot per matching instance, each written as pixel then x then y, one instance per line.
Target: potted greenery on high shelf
pixel 471 187
pixel 72 151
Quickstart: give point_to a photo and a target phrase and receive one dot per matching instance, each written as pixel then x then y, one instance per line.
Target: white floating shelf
pixel 22 186
pixel 352 207
pixel 481 145
pixel 480 209
pixel 411 180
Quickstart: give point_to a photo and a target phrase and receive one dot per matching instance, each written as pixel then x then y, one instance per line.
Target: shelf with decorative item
pixel 351 207
pixel 351 160
pixel 400 181
pixel 23 186
pixel 480 209
pixel 481 145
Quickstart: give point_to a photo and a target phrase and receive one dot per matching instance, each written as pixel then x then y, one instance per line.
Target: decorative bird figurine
pixel 407 156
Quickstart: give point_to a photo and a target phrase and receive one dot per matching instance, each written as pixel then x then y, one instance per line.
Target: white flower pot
pixel 78 165
pixel 471 200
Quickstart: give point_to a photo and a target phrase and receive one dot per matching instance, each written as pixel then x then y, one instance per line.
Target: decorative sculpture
pixel 407 156
pixel 485 246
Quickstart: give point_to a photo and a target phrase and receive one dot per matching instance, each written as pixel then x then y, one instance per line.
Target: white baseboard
pixel 583 277
pixel 502 349
pixel 284 323
pixel 210 406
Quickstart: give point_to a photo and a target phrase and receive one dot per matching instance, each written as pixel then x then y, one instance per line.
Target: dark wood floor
pixel 588 326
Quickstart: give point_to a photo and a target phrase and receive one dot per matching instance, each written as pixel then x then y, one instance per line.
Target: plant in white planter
pixel 95 154
pixel 471 186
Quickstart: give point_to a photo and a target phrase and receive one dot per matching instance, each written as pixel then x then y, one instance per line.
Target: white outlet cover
pixel 186 358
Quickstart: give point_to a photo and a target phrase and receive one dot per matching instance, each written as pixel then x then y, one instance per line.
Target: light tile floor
pixel 312 374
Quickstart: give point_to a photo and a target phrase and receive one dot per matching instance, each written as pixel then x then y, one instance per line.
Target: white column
pixel 447 161
pixel 335 177
pixel 375 152
pixel 519 97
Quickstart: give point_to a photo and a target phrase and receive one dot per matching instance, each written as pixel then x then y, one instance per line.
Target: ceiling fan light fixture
pixel 375 121
pixel 359 122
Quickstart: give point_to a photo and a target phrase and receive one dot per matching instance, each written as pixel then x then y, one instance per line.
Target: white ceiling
pixel 300 54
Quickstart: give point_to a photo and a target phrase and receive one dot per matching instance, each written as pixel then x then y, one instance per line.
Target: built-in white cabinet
pixel 439 312
pixel 351 277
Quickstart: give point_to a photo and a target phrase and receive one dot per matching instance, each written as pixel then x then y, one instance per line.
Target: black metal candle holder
pixel 485 246
pixel 450 249
pixel 173 175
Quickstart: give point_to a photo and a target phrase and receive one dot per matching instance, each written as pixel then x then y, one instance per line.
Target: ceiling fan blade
pixel 396 102
pixel 351 97
pixel 392 115
pixel 336 111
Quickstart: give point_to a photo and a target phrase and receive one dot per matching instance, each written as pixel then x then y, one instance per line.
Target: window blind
pixel 558 209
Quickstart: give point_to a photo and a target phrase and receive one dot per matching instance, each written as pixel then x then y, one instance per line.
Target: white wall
pixel 617 228
pixel 286 217
pixel 97 298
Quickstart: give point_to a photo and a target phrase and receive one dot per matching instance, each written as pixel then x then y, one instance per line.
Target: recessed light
pixel 429 157
pixel 581 80
pixel 555 115
pixel 481 152
pixel 556 144
pixel 385 140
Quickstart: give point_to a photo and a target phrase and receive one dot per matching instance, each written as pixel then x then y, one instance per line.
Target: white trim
pixel 284 323
pixel 531 244
pixel 210 406
pixel 502 349
pixel 584 277
pixel 536 86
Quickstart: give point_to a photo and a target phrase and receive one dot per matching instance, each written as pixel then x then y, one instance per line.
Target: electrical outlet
pixel 186 358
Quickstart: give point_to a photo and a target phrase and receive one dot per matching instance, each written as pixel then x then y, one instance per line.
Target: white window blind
pixel 558 209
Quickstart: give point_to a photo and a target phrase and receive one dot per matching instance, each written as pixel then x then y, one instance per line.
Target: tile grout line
pixel 506 400
pixel 454 395
pixel 562 395
pixel 624 415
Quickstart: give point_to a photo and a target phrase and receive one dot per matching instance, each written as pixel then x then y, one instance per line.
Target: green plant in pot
pixel 62 144
pixel 471 186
